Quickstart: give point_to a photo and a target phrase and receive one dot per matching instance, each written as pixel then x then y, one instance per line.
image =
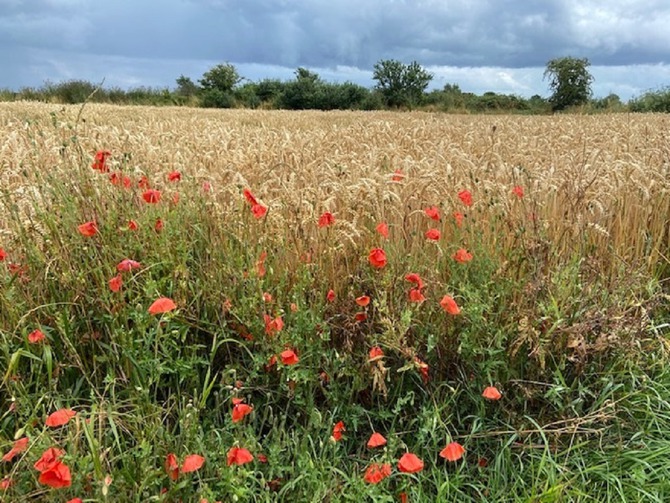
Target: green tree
pixel 569 81
pixel 186 87
pixel 222 77
pixel 401 84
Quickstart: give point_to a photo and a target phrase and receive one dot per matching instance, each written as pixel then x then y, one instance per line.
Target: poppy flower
pixel 338 429
pixel 240 410
pixel 450 306
pixel 260 264
pixel 363 300
pixel 272 362
pixel 206 187
pixel 35 336
pixel 174 176
pixel 376 440
pixel 267 297
pixel 171 466
pixel 452 452
pixel 409 463
pixel 192 463
pixel 115 283
pixel 162 305
pixel 383 229
pixel 482 462
pixel 239 456
pixel 127 265
pixel 143 182
pixel 403 497
pixel 158 226
pixel 57 475
pixel 518 191
pixel 466 197
pixel 75 500
pixel 19 446
pixel 432 212
pixel 433 234
pixel 330 296
pixel 416 279
pixel 415 295
pixel 6 483
pixel 398 176
pixel 377 258
pixel 49 457
pixel 249 197
pixel 262 458
pixel 458 217
pixel 462 256
pixel 326 219
pixel 100 160
pixel 375 473
pixel 60 417
pixel 288 357
pixel 88 229
pixel 259 211
pixel 423 369
pixel 375 354
pixel 3 255
pixel 132 225
pixel 273 326
pixel 360 317
pixel 151 196
pixel 492 393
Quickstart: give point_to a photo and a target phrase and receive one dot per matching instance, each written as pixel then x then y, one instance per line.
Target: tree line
pixel 397 86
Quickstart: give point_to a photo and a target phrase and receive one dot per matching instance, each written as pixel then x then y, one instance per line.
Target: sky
pixel 481 45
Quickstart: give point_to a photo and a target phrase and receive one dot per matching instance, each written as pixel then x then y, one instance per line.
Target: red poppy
pixel 151 196
pixel 338 429
pixel 143 182
pixel 432 212
pixel 88 229
pixel 360 317
pixel 433 234
pixel 330 296
pixel 132 225
pixel 56 475
pixel 19 446
pixel 492 393
pixel 375 354
pixel 273 326
pixel 239 456
pixel 377 258
pixel 260 264
pixel 363 300
pixel 398 176
pixel 415 295
pixel 262 458
pixel 423 368
pixel 259 211
pixel 192 463
pixel 409 463
pixel 466 197
pixel 127 265
pixel 174 176
pixel 162 305
pixel 375 473
pixel 60 417
pixel 6 483
pixel 462 256
pixel 376 440
pixel 452 452
pixel 482 462
pixel 272 362
pixel 35 336
pixel 206 187
pixel 449 305
pixel 100 160
pixel 172 466
pixel 459 218
pixel 75 500
pixel 383 229
pixel 518 191
pixel 288 357
pixel 240 410
pixel 326 219
pixel 267 297
pixel 416 279
pixel 249 197
pixel 403 497
pixel 3 255
pixel 115 283
pixel 49 457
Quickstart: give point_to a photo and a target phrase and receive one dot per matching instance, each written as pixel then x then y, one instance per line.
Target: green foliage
pixel 652 101
pixel 569 81
pixel 222 78
pixel 401 84
pixel 186 87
